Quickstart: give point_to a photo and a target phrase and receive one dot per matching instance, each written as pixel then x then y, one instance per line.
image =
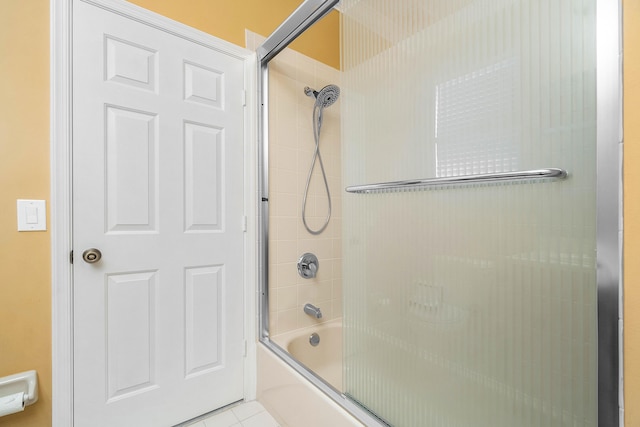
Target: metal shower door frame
pixel 609 204
pixel 609 184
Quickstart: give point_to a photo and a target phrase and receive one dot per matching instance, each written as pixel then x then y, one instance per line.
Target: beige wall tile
pixel 287 274
pixel 287 297
pixel 287 320
pixel 291 151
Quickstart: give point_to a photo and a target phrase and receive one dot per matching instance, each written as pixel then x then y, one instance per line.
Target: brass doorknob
pixel 92 255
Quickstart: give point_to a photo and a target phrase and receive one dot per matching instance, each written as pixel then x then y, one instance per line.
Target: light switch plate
pixel 32 215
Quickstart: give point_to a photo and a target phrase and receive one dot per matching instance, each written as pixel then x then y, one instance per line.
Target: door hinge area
pixel 244 98
pixel 244 223
pixel 71 257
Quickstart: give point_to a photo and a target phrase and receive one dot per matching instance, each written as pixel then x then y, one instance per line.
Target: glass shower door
pixel 473 304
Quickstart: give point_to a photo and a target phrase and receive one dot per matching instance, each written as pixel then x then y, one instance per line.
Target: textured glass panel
pixel 473 305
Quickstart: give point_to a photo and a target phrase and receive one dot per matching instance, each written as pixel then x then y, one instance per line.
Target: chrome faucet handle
pixel 308 266
pixel 313 268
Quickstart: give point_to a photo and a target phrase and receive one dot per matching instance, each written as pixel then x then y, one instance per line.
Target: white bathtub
pixel 325 359
pixel 279 384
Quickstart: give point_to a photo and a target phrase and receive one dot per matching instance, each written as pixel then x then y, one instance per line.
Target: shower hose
pixel 317 125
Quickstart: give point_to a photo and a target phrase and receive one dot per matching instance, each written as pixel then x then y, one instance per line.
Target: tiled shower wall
pixel 291 147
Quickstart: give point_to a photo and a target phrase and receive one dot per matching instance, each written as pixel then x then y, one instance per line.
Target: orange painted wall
pixel 631 42
pixel 25 291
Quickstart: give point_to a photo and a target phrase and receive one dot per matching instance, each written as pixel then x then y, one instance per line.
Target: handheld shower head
pixel 326 96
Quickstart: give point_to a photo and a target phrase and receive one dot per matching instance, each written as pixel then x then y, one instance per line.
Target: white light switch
pixel 32 215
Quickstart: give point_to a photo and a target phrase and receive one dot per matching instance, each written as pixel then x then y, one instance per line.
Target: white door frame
pixel 61 120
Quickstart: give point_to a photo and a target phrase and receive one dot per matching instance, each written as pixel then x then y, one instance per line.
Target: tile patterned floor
pixel 248 414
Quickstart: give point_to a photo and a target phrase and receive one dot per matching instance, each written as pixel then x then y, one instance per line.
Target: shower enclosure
pixel 479 209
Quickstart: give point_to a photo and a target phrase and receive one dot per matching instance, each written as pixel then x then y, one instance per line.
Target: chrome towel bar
pixel 551 173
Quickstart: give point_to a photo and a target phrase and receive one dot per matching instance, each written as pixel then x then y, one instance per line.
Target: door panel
pixel 131 162
pixel 130 331
pixel 158 189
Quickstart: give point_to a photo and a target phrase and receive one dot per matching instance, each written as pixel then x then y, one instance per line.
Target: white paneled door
pixel 158 190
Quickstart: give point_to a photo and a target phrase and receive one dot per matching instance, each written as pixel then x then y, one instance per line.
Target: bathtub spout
pixel 312 310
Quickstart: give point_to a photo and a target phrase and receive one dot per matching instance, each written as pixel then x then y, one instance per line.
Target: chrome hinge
pixel 71 257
